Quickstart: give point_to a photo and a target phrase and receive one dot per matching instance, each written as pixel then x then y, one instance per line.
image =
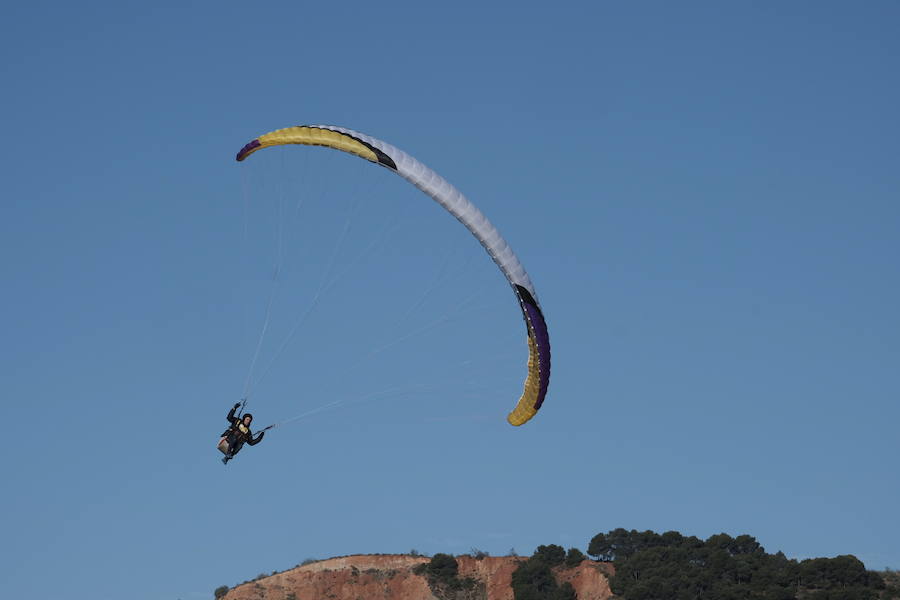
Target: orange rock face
pixel 391 577
pixel 589 580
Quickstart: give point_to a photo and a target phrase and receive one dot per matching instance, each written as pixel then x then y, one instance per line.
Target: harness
pixel 239 433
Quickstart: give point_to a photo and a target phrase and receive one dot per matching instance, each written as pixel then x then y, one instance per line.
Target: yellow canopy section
pixel 525 409
pixel 316 136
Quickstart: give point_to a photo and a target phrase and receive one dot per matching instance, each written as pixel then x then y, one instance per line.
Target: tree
pixel 601 548
pixel 533 580
pixel 552 554
pixel 442 567
pixel 574 557
pixel 565 592
pixel 620 543
pixel 442 573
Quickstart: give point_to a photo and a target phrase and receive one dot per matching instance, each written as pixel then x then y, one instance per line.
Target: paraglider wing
pixel 468 214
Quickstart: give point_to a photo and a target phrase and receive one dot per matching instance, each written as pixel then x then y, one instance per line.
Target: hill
pixel 630 564
pixel 402 577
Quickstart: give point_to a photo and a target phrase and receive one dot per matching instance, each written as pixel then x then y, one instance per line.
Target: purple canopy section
pixel 537 327
pixel 247 149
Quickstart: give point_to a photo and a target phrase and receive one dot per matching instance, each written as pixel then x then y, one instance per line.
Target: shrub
pixel 220 591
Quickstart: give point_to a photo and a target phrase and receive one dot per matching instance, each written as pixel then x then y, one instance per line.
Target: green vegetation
pixel 645 565
pixel 574 557
pixel 441 567
pixel 442 573
pixel 534 579
pixel 552 555
pixel 891 580
pixel 669 565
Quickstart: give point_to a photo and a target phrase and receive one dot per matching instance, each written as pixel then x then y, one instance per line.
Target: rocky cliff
pixel 391 577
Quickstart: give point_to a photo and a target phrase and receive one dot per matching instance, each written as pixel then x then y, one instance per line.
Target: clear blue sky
pixel 707 197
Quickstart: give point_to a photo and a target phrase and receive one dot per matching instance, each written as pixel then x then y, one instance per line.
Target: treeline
pixel 650 565
pixel 671 566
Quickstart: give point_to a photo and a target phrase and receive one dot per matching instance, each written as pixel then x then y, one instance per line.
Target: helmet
pixel 247 415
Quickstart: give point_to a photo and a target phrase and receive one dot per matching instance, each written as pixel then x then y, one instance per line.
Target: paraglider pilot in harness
pixel 237 434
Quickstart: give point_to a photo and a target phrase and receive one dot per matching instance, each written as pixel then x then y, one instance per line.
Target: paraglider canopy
pixel 445 194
